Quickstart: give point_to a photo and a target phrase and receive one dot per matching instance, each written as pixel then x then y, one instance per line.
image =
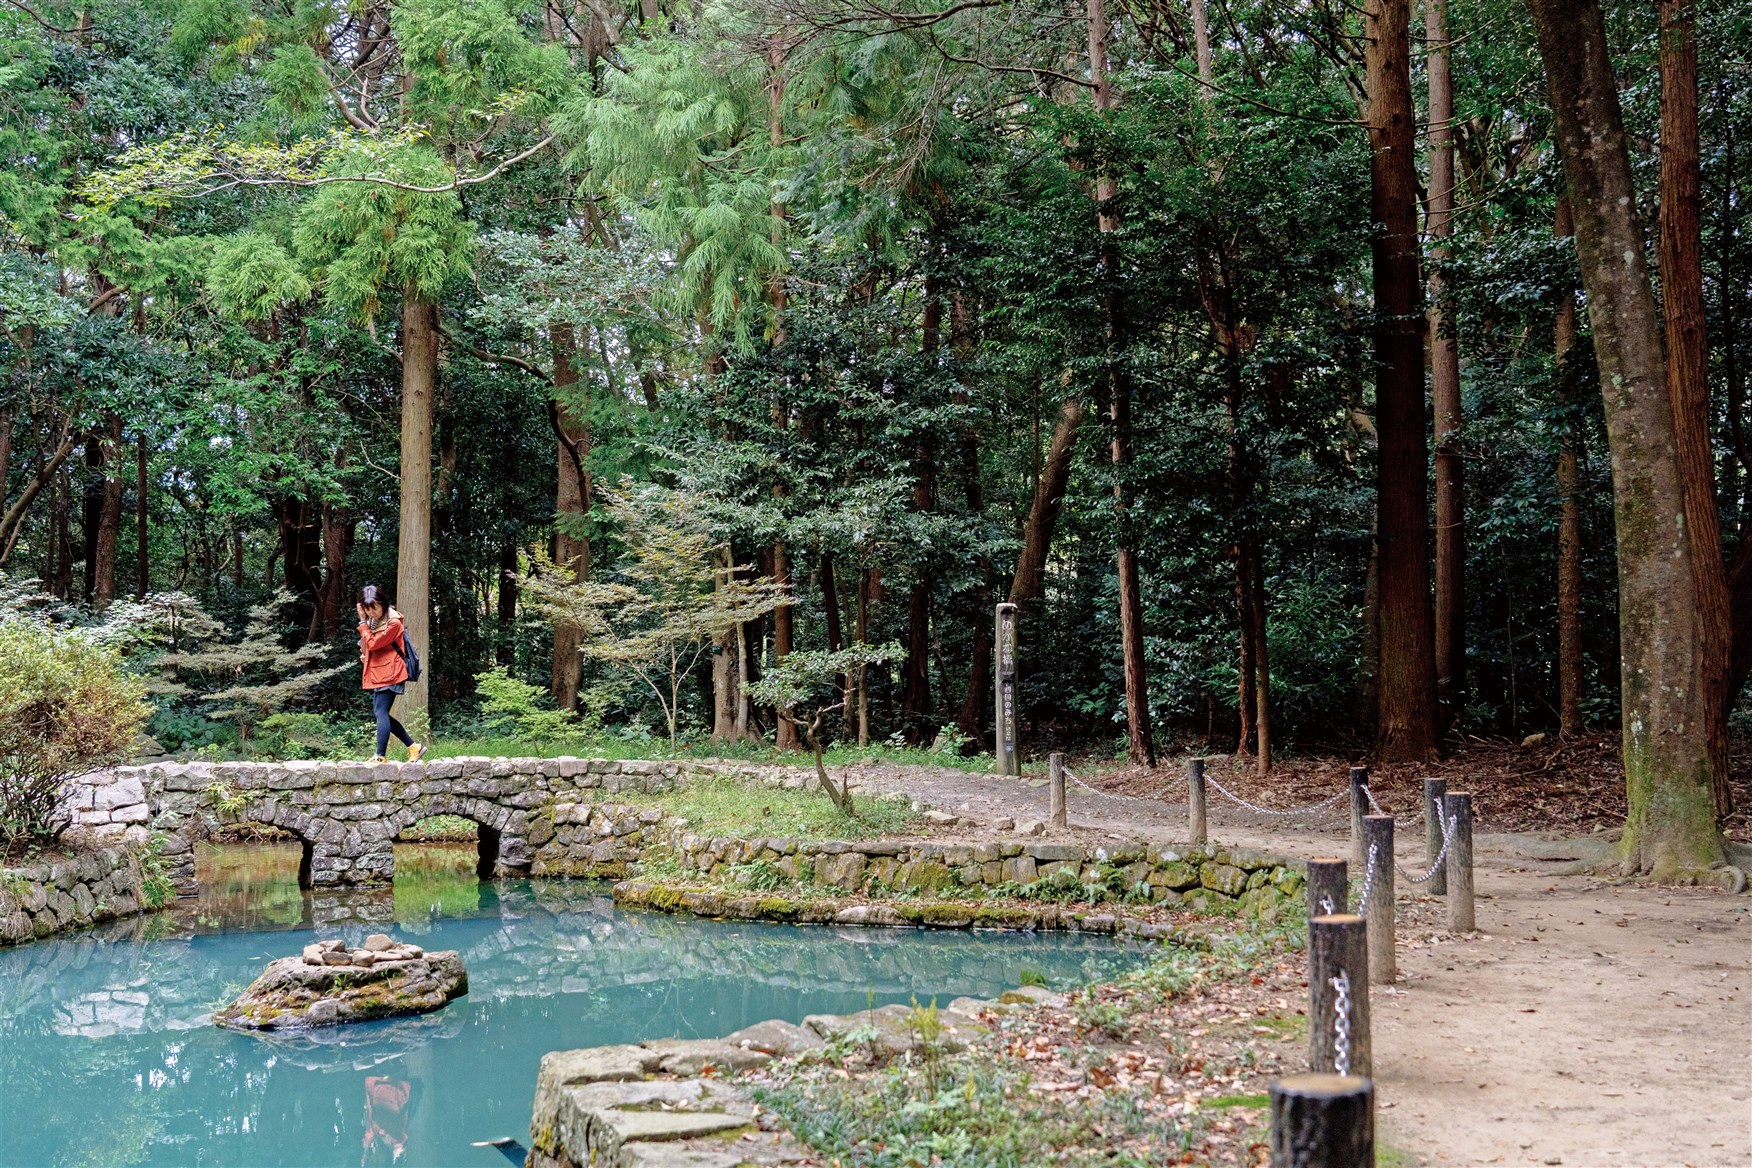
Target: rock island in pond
pixel 330 984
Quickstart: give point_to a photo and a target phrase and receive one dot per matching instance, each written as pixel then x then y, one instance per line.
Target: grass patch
pixel 440 827
pixel 731 807
pixel 1225 1101
pixel 611 746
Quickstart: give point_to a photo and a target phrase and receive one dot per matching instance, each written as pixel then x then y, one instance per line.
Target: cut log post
pixel 1359 804
pixel 1196 807
pixel 1338 945
pixel 1434 789
pixel 1328 887
pixel 1323 1121
pixel 1460 908
pixel 1383 960
pixel 1055 769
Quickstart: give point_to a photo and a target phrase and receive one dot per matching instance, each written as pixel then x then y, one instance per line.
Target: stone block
pixel 1176 874
pixel 869 914
pixel 924 875
pixel 1056 852
pixel 776 1037
pixel 845 870
pixel 688 1057
pixel 124 792
pixel 604 1119
pixel 1224 878
pixel 1021 870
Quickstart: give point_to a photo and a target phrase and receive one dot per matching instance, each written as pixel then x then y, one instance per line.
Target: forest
pixel 1313 377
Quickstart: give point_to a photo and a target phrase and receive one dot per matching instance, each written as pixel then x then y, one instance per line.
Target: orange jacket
pixel 380 651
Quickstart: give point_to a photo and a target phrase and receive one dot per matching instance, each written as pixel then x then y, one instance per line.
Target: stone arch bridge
pixel 534 816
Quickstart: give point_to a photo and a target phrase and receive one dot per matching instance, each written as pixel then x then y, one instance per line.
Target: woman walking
pixel 386 669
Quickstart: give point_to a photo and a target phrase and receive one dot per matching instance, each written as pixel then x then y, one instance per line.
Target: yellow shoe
pixel 377 758
pixel 415 750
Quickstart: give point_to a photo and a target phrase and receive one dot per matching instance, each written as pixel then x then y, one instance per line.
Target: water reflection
pixel 107 1054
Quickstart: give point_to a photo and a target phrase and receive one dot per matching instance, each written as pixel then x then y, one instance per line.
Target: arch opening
pixel 453 830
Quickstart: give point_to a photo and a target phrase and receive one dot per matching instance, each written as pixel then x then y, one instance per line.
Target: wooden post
pixel 1359 803
pixel 1055 768
pixel 1383 960
pixel 1434 789
pixel 1328 881
pixel 1460 914
pixel 1323 1121
pixel 1196 806
pixel 1338 944
pixel 1007 762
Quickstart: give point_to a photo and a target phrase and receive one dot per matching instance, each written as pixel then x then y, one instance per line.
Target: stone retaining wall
pixel 1202 879
pixel 348 814
pixel 39 899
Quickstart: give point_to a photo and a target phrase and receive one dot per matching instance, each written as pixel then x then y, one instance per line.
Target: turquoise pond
pixel 108 1057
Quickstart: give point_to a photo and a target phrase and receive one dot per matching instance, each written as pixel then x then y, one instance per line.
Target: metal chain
pixel 1326 905
pixel 1122 798
pixel 1293 811
pixel 1380 810
pixel 1341 1023
pixel 1447 825
pixel 1368 880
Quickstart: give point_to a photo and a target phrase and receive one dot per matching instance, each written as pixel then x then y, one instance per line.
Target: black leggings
pixel 381 700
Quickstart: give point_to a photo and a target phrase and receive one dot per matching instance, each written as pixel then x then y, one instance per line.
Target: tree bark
pixel 915 702
pixel 142 554
pixel 109 527
pixel 1029 582
pixel 1406 726
pixel 1670 830
pixel 1688 369
pixel 413 576
pixel 1201 39
pixel 1569 523
pixel 1140 745
pixel 337 543
pixel 1445 383
pixel 976 706
pixel 572 501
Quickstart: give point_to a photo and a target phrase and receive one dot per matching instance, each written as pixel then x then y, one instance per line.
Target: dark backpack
pixel 410 657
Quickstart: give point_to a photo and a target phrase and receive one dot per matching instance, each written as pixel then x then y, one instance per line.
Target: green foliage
pixel 512 706
pixel 735 808
pixel 68 705
pixel 243 680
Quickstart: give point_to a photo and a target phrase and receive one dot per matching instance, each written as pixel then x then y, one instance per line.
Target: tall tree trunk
pixel 109 525
pixel 976 705
pixel 1445 384
pixel 142 554
pixel 1688 369
pixel 1670 830
pixel 62 526
pixel 915 700
pixel 1029 582
pixel 724 652
pixel 572 501
pixel 860 636
pixel 1201 40
pixel 783 615
pixel 337 543
pixel 1261 660
pixel 1141 748
pixel 91 514
pixel 507 648
pixel 1406 727
pixel 1569 523
pixel 413 575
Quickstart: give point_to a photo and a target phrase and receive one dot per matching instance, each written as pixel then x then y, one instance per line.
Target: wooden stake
pixel 1323 1121
pixel 1338 944
pixel 1196 807
pixel 1460 907
pixel 1383 960
pixel 1055 769
pixel 1359 803
pixel 1328 880
pixel 1434 789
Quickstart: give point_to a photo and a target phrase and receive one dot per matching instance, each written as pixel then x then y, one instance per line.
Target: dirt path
pixel 1584 1024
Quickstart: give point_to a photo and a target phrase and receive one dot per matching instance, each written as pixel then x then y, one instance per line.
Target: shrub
pixel 66 705
pixel 511 705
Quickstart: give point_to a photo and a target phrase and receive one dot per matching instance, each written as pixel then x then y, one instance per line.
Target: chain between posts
pixel 1368 879
pixel 1122 798
pixel 1341 1022
pixel 1293 811
pixel 1447 825
pixel 1380 810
